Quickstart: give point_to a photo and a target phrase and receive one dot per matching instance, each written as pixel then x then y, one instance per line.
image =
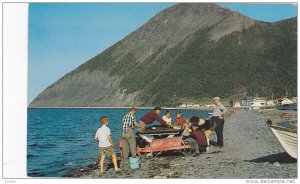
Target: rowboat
pixel 287 138
pixel 157 139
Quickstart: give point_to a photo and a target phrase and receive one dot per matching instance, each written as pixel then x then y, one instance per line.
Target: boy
pixel 207 126
pixel 105 144
pixel 198 135
pixel 179 120
pixel 167 117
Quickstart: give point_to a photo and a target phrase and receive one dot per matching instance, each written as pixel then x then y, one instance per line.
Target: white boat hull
pixel 288 139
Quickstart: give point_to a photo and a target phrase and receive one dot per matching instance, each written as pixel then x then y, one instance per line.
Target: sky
pixel 63 36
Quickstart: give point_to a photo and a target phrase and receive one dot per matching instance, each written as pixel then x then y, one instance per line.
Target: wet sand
pixel 250 151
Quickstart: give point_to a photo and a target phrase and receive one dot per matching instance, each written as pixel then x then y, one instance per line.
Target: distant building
pixel 197 105
pixel 183 106
pixel 270 103
pixel 257 104
pixel 278 101
pixel 236 104
pixel 246 104
pixel 190 105
pixel 209 105
pixel 283 101
pixel 286 101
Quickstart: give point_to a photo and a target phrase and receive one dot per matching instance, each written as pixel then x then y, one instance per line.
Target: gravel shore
pixel 250 151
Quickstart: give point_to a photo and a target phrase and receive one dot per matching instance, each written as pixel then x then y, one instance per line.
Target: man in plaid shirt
pixel 128 137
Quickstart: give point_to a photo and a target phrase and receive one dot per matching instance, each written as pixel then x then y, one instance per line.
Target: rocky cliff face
pixel 84 89
pixel 154 63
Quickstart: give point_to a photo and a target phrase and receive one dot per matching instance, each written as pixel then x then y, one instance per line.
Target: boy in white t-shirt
pixel 105 144
pixel 167 117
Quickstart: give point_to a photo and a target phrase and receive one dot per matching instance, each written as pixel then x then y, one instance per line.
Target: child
pixel 167 117
pixel 207 126
pixel 186 128
pixel 105 144
pixel 197 134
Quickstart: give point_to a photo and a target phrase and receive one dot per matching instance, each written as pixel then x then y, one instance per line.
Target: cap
pixel 178 112
pixel 157 108
pixel 216 98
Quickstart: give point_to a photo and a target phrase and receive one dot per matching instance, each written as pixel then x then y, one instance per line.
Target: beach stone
pixel 160 177
pixel 277 164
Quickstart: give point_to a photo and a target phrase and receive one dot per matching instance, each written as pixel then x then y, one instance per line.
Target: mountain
pixel 184 53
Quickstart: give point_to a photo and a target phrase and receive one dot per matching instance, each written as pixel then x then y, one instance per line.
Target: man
pixel 128 137
pixel 218 120
pixel 150 117
pixel 179 120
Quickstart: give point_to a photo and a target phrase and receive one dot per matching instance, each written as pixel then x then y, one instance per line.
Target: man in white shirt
pixel 218 119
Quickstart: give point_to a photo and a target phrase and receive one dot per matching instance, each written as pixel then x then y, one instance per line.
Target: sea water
pixel 60 139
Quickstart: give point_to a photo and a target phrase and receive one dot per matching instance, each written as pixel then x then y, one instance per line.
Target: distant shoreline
pixel 198 108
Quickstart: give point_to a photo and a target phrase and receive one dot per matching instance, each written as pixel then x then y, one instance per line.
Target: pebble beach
pixel 250 151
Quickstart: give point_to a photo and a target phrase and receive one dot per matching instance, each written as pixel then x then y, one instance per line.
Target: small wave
pixel 43 145
pixel 31 156
pixel 35 174
pixel 67 164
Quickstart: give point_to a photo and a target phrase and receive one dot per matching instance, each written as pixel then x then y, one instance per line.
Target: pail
pixel 134 162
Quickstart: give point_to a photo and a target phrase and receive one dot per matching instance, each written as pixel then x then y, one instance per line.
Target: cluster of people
pixel 194 131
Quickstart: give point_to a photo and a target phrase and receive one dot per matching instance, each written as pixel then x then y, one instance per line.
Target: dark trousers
pixel 219 125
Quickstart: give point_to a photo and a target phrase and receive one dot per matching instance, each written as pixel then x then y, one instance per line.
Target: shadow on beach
pixel 282 158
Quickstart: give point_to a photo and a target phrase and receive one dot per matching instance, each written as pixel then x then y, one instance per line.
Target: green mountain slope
pixel 205 51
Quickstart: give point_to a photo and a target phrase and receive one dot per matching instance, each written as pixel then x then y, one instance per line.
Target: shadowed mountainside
pixel 185 52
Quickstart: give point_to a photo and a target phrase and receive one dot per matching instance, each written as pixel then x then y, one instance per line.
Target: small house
pixel 270 103
pixel 286 101
pixel 236 104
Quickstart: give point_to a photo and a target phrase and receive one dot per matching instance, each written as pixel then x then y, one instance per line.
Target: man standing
pixel 128 137
pixel 150 117
pixel 218 119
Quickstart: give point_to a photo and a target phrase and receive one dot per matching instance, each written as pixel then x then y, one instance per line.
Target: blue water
pixel 60 140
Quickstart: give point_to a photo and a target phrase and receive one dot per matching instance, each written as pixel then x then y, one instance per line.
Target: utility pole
pixel 272 95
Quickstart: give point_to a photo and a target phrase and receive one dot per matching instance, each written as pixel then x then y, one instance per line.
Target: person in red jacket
pixel 150 117
pixel 198 135
pixel 179 120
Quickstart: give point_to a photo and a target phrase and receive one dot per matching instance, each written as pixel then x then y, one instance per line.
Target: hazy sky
pixel 64 35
